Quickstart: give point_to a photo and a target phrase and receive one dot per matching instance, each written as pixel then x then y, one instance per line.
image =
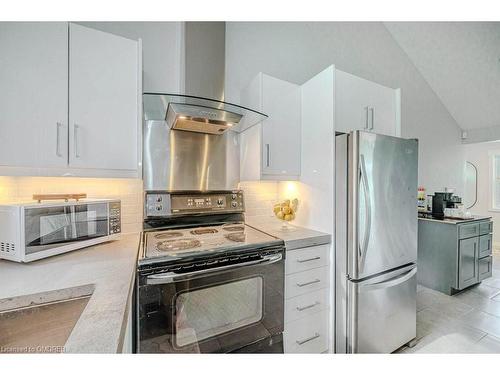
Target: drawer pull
pixel 307 260
pixel 302 308
pixel 300 285
pixel 301 342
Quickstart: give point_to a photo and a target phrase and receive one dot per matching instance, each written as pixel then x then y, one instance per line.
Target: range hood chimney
pixel 202 108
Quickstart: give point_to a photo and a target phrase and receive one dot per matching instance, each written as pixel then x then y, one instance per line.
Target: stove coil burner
pixel 162 236
pixel 236 237
pixel 203 231
pixel 177 245
pixel 234 228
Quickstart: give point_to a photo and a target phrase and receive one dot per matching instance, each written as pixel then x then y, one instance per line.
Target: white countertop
pixel 106 269
pixel 447 220
pixel 295 238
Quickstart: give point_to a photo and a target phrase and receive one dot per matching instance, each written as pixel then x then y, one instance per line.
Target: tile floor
pixel 468 322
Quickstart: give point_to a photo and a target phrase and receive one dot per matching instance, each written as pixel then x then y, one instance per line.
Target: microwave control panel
pixel 115 218
pixel 171 204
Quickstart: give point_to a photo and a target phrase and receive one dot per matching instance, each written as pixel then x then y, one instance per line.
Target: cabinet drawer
pixel 486 227
pixel 307 258
pixel 304 282
pixel 485 266
pixel 485 245
pixel 307 335
pixel 468 230
pixel 306 304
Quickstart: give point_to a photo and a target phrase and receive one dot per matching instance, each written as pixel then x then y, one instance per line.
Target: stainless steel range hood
pixel 198 114
pixel 202 109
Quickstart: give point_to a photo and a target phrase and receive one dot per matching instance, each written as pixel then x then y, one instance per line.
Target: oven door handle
pixel 169 277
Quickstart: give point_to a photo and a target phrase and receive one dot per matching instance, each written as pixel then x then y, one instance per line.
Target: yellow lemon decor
pixel 286 210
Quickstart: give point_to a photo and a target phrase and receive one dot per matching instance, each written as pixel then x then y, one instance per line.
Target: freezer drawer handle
pixel 308 283
pixel 169 277
pixel 302 308
pixel 308 259
pixel 302 342
pixel 391 282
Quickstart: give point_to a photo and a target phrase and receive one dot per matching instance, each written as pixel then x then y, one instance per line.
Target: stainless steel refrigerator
pixel 376 242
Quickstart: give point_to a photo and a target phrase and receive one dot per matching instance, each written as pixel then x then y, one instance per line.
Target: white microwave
pixel 31 231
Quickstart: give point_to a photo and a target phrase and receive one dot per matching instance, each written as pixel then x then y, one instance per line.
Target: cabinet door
pixel 34 94
pixel 382 111
pixel 281 130
pixel 352 102
pixel 468 252
pixel 364 105
pixel 103 100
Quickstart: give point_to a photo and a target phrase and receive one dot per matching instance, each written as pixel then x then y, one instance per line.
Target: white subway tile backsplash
pixel 260 197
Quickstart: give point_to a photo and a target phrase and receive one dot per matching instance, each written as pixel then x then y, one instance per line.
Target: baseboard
pixel 496 248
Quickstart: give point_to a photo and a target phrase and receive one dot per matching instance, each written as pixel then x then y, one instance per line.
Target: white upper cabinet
pixel 364 105
pixel 33 94
pixel 103 100
pixel 79 118
pixel 271 150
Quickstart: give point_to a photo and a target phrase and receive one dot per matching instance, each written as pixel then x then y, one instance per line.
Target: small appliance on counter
pixel 445 204
pixel 66 222
pixel 421 199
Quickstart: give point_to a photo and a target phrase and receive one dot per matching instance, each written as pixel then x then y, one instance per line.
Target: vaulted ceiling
pixel 461 63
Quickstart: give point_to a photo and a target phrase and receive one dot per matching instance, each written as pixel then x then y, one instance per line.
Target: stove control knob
pixel 233 204
pixel 220 202
pixel 159 199
pixel 233 197
pixel 159 207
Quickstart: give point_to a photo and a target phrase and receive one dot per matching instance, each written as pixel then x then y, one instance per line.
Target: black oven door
pixel 213 310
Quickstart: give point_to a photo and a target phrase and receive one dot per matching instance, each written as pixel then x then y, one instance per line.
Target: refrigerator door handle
pixel 390 282
pixel 364 181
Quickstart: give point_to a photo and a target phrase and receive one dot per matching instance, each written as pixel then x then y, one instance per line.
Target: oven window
pixel 212 311
pixel 50 227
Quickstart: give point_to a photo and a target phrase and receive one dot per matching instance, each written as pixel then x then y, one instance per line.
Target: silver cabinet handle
pixel 302 308
pixel 58 138
pixel 307 260
pixel 268 155
pixel 366 118
pixel 372 111
pixel 75 140
pixel 302 342
pixel 300 285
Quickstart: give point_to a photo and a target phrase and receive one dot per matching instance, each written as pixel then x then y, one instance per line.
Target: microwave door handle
pixel 169 277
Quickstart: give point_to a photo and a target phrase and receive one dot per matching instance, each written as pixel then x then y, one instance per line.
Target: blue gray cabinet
pixel 454 255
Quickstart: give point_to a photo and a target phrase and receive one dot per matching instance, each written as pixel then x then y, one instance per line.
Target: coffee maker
pixel 442 200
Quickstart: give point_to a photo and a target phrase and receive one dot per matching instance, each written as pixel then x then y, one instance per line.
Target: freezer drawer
pixel 382 312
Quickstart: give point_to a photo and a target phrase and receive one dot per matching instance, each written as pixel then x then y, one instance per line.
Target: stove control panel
pixel 180 203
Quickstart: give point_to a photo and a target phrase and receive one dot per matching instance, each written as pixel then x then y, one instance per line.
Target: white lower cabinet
pixel 307 300
pixel 307 335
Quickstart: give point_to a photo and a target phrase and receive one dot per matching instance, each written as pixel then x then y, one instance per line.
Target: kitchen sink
pixel 40 327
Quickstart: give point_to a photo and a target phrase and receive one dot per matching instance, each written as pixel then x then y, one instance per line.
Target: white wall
pixel 479 155
pixel 162 49
pixel 296 51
